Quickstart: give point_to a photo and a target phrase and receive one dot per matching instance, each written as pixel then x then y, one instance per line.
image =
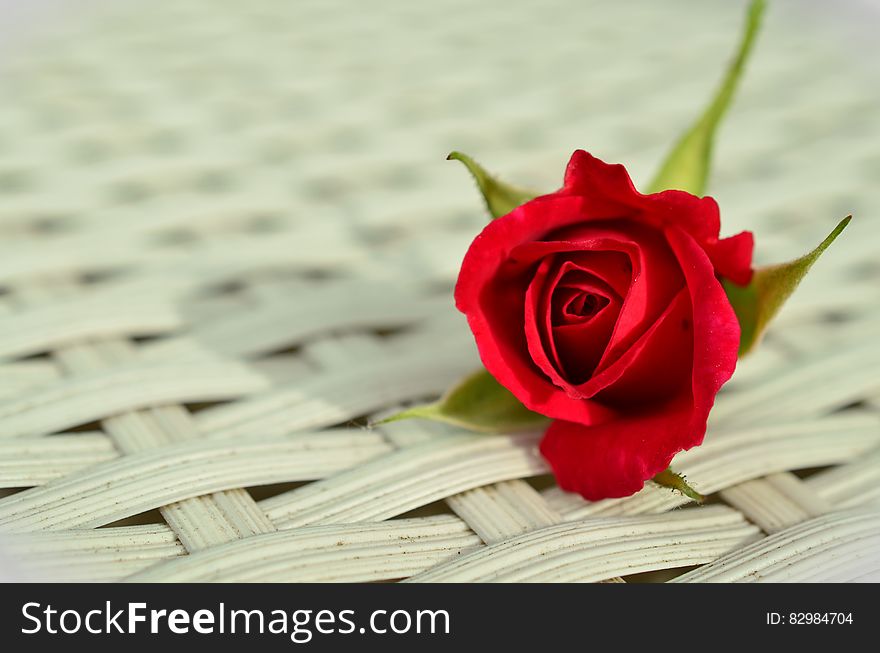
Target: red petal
pixel 654 275
pixel 491 292
pixel 586 175
pixel 579 343
pixel 608 263
pixel 609 255
pixel 615 459
pixel 732 257
pixel 716 329
pixel 618 371
pixel 658 366
pixel 610 184
pixel 538 327
pixel 656 279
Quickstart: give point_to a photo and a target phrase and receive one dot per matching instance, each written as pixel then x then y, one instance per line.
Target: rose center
pixel 575 305
pixel 585 305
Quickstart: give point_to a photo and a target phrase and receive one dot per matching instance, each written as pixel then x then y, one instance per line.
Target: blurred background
pixel 209 149
pixel 273 112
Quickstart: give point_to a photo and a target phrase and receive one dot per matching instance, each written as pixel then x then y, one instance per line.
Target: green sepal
pixel 668 478
pixel 477 403
pixel 500 198
pixel 756 304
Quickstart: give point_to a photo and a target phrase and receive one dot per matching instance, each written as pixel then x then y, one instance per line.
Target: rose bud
pixel 602 308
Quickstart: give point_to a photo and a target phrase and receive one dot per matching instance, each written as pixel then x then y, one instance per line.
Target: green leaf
pixel 668 478
pixel 756 304
pixel 477 403
pixel 500 198
pixel 687 166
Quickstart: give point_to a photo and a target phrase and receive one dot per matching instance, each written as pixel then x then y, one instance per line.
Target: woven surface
pixel 228 237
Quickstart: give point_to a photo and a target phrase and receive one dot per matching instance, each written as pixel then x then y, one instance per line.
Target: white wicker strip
pixel 407 479
pixel 358 552
pixel 500 511
pixel 34 461
pixel 20 376
pixel 801 389
pixel 279 324
pixel 855 484
pixel 342 394
pixel 839 546
pixel 601 548
pixel 49 327
pixel 91 396
pixel 134 483
pixel 96 555
pixel 776 501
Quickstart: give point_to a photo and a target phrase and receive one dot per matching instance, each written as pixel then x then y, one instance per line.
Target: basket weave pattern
pixel 227 238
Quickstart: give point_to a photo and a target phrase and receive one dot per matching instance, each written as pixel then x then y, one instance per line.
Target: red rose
pixel 602 308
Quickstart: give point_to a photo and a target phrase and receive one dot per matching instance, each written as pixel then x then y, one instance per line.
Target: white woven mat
pixel 227 232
